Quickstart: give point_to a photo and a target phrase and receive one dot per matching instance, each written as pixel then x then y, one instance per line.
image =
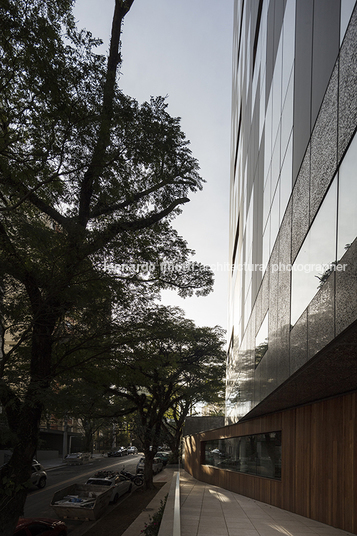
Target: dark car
pixel 118 453
pixel 115 454
pixel 40 525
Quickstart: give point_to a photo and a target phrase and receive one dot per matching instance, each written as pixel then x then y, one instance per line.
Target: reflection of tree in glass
pixel 324 277
pixel 260 352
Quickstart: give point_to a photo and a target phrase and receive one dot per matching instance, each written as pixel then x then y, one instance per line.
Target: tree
pixel 77 399
pixel 169 362
pixel 89 184
pixel 174 420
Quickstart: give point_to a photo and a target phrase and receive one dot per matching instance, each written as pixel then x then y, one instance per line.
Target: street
pixel 38 501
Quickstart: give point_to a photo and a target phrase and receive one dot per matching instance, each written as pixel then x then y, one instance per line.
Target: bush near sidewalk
pixel 152 528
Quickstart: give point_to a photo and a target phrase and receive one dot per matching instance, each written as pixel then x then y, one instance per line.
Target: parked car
pixel 77 458
pixel 111 479
pixel 157 466
pixel 40 525
pixel 38 475
pixel 163 456
pixel 132 450
pixel 117 453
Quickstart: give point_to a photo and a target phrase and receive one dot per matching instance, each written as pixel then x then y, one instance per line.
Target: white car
pixel 77 458
pixel 111 479
pixel 157 466
pixel 132 450
pixel 38 475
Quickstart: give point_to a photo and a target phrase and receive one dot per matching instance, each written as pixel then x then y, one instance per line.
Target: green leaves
pixel 90 181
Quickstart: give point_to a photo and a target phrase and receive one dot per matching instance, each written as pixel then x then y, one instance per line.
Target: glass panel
pixel 275 164
pixel 274 219
pixel 316 257
pixel 288 44
pixel 346 12
pixel 266 245
pixel 267 198
pixel 287 116
pixel 261 340
pixel 347 213
pixel 258 454
pixel 286 179
pixel 276 91
pixel 268 134
pixel 248 299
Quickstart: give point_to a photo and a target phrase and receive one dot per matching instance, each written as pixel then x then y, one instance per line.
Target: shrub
pixel 152 528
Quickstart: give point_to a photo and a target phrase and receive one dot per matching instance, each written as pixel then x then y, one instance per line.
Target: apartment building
pixel 291 401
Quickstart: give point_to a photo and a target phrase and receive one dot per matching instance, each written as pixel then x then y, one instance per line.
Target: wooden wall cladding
pixel 319 461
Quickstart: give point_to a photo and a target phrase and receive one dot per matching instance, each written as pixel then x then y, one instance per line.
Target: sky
pixel 183 49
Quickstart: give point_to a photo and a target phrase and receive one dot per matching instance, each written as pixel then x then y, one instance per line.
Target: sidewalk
pixel 212 511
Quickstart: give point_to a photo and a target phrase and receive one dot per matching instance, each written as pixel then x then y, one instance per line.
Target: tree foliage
pixel 168 362
pixel 89 184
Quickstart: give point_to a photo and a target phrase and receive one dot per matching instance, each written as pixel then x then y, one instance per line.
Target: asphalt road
pixel 38 501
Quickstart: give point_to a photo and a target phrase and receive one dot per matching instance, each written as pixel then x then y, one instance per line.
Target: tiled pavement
pixel 212 511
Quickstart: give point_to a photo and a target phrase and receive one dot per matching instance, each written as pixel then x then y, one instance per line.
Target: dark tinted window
pixel 258 454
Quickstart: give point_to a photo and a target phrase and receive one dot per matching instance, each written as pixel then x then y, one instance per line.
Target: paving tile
pixel 212 531
pixel 217 512
pixel 243 532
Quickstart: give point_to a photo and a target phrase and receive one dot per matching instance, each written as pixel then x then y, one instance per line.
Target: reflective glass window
pixel 267 198
pixel 274 219
pixel 347 200
pixel 248 300
pixel 276 91
pixel 288 44
pixel 275 164
pixel 346 12
pixel 257 454
pixel 316 257
pixel 268 135
pixel 286 179
pixel 287 116
pixel 261 340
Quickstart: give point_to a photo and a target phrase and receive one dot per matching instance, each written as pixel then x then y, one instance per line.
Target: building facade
pixel 291 402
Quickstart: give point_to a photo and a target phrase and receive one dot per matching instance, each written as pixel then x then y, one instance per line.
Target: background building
pixel 292 359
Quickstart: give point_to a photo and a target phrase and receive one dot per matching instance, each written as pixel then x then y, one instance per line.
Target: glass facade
pixel 258 454
pixel 293 221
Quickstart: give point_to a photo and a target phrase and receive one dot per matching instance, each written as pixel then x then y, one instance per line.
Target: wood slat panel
pixel 319 461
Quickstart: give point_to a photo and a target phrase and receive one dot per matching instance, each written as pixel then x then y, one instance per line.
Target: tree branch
pixel 102 210
pixel 97 163
pixel 121 226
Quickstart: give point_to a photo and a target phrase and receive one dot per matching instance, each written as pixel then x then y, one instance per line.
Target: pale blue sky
pixel 182 48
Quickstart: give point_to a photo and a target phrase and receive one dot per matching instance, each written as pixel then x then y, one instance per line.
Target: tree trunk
pixel 14 476
pixel 24 421
pixel 148 472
